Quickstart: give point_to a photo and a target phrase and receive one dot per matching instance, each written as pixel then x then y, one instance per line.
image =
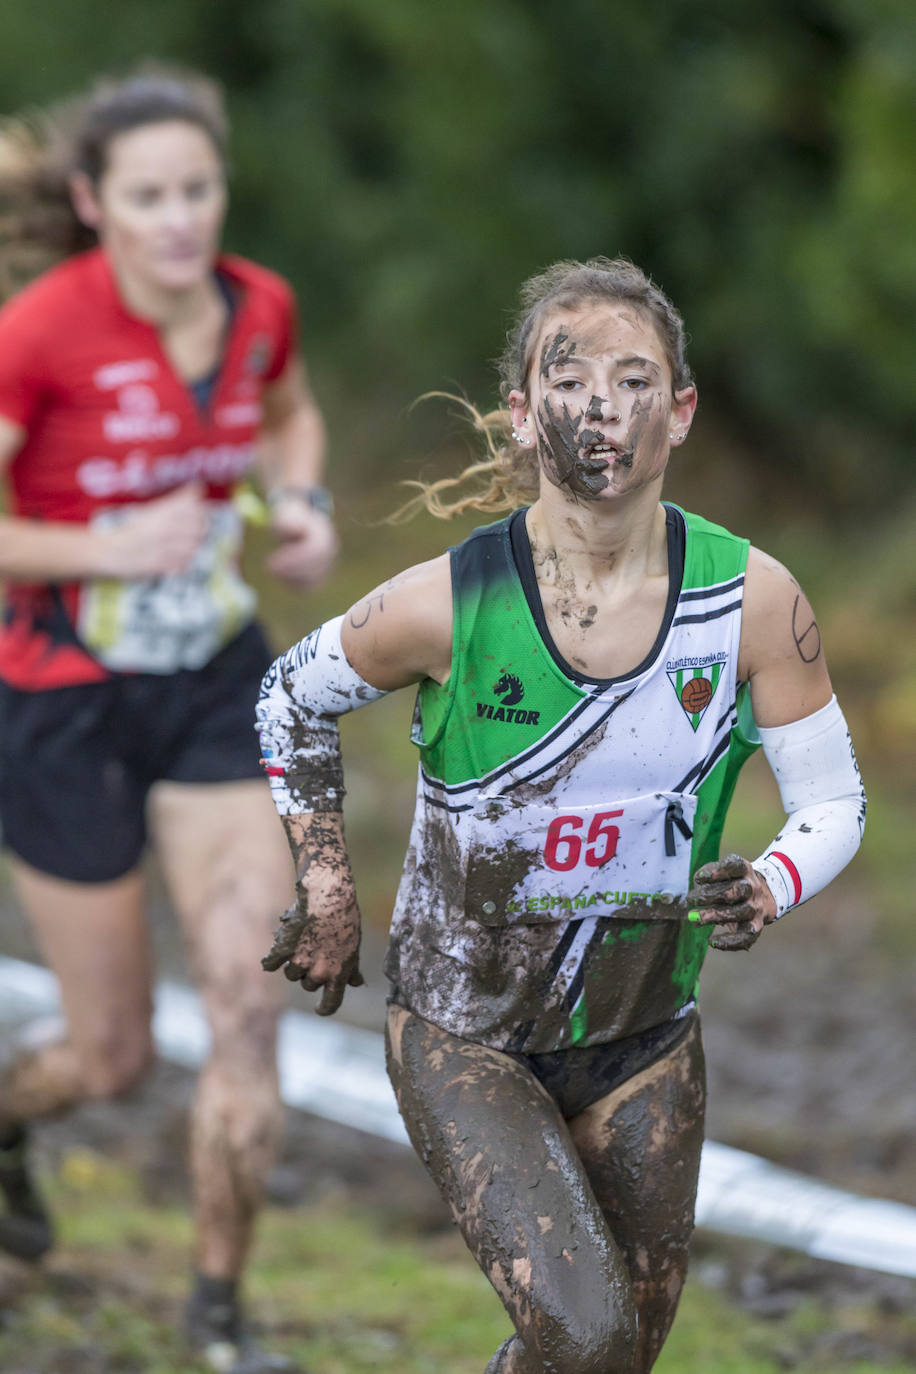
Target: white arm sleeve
pixel 302 694
pixel 821 789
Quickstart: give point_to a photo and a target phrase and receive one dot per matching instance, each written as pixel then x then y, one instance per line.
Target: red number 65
pixel 563 848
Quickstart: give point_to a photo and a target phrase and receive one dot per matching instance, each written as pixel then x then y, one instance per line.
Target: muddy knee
pixel 571 1323
pixel 602 1342
pixel 602 1353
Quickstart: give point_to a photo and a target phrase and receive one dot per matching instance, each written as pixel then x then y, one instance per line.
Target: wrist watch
pixel 319 498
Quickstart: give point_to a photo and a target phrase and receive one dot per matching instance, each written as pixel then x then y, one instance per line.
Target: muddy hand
pixel 297 950
pixel 286 938
pixel 730 894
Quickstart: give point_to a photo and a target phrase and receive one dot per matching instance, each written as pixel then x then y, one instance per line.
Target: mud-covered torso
pixel 559 820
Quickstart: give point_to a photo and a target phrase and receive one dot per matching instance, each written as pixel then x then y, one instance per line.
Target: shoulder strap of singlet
pixel 478 563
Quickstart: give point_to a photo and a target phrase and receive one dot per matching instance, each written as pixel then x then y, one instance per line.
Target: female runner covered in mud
pixel 593 670
pixel 137 380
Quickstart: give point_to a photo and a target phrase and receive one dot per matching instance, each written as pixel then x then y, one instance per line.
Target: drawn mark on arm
pixel 807 640
pixel 376 596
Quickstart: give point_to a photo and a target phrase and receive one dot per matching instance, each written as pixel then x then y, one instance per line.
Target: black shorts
pixel 578 1077
pixel 76 763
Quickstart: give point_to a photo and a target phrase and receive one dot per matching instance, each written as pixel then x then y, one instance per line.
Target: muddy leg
pixel 229 873
pixel 502 1157
pixel 640 1146
pixel 93 936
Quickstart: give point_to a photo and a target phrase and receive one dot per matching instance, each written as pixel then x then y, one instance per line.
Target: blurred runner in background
pixel 141 380
pixel 594 670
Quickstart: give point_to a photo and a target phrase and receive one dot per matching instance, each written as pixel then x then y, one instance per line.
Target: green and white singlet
pixel 559 820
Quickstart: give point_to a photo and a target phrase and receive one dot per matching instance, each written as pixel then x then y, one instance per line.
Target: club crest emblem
pixel 695 684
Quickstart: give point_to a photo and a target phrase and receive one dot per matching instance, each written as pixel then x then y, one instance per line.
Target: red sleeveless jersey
pixel 108 422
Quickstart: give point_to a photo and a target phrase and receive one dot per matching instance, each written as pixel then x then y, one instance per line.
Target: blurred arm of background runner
pixel 291 458
pixel 157 537
pixel 398 634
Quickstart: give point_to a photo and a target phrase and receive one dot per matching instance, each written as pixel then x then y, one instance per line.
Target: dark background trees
pixel 408 163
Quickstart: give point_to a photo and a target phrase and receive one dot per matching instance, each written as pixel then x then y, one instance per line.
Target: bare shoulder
pixel 767 581
pixel 782 653
pixel 777 610
pixel 402 630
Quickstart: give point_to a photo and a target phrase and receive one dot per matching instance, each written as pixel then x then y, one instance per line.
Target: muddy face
pixel 602 402
pixel 567 452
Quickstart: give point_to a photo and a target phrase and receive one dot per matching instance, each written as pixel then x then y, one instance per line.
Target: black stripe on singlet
pixel 708 615
pixel 553 968
pixel 706 593
pixel 453 788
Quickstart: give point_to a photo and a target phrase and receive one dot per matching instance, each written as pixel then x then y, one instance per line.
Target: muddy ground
pixel 809 1041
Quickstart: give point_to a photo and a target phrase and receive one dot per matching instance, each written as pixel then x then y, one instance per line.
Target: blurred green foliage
pixel 408 164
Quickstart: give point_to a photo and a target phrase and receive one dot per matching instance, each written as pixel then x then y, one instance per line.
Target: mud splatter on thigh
pixel 641 1146
pixel 497 1148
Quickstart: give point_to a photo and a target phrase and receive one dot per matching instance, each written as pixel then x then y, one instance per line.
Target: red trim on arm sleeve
pixel 792 872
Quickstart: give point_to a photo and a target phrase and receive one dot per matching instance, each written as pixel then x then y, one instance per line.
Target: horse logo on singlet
pixel 510 690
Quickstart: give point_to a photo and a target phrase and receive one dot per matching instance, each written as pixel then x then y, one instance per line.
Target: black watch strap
pixel 319 498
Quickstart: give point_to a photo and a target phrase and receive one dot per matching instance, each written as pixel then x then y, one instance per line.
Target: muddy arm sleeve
pixel 821 789
pixel 303 693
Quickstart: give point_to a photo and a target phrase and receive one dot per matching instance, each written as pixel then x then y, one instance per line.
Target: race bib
pixel 162 624
pixel 527 864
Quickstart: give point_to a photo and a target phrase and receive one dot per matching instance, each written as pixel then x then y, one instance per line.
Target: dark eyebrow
pixel 634 360
pixel 631 360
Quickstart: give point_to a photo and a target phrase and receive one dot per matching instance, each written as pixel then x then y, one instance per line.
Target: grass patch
pixel 332 1289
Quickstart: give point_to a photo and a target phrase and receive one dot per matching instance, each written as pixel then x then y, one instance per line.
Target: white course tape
pixel 743 1195
pixel 337 1072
